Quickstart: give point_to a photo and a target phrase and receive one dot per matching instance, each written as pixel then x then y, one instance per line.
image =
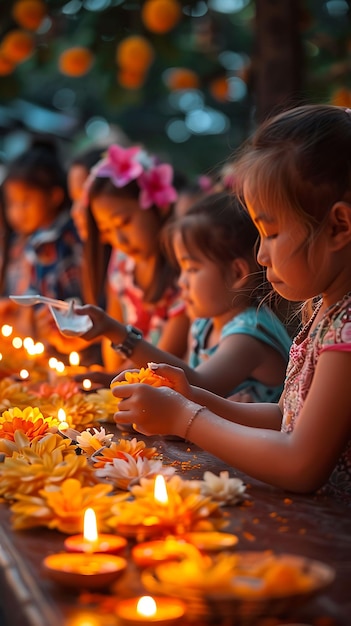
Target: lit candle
pixel 86 384
pixel 24 374
pixel 91 541
pixel 17 342
pixel 63 425
pixel 74 358
pixel 145 610
pixel 60 367
pixel 86 571
pixel 160 490
pixel 6 330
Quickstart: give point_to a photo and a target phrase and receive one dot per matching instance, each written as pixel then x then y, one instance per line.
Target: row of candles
pixel 34 349
pixel 91 562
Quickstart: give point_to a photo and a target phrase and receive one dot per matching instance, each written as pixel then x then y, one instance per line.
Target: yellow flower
pixel 30 421
pixel 63 507
pixel 14 394
pixel 44 461
pixel 104 403
pixel 80 412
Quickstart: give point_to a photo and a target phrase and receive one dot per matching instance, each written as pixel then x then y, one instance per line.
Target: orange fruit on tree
pixel 6 66
pixel 341 97
pixel 181 78
pixel 219 89
pixel 130 79
pixel 29 13
pixel 160 16
pixel 135 53
pixel 75 61
pixel 17 45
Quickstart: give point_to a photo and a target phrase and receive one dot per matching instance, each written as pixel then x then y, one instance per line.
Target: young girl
pixel 296 180
pixel 237 345
pixel 42 252
pixel 131 198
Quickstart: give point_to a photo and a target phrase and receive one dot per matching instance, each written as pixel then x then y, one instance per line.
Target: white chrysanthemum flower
pixel 89 441
pixel 121 472
pixel 222 488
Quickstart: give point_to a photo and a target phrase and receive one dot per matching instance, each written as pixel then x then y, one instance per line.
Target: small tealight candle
pixel 63 425
pixel 147 610
pixel 93 542
pixel 74 358
pixel 24 374
pixel 86 571
pixel 6 330
pixel 86 384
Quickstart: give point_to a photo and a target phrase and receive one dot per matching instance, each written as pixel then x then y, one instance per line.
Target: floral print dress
pixel 332 333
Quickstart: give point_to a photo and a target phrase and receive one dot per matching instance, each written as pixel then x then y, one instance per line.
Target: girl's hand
pixel 175 375
pixel 103 324
pixel 153 410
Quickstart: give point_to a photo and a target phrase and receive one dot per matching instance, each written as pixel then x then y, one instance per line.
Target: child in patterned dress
pixel 295 176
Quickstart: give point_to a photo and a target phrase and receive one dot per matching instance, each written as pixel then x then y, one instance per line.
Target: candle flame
pixel 86 383
pixel 6 330
pixel 146 606
pixel 160 490
pixel 60 367
pixel 17 342
pixel 24 374
pixel 90 526
pixel 74 358
pixel 53 362
pixel 61 414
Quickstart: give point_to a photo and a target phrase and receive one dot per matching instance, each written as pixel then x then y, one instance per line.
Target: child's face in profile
pixel 28 208
pixel 204 285
pixel 125 226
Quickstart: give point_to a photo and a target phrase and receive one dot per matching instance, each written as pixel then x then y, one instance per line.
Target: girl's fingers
pixel 121 376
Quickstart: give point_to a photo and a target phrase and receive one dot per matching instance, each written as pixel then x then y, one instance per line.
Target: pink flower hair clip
pixel 123 165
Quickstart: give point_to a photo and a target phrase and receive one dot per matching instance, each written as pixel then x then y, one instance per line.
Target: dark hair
pixel 87 158
pixel 219 226
pixel 299 160
pixel 40 167
pixel 165 272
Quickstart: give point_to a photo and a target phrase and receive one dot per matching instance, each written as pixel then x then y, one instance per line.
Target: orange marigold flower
pixel 118 450
pixel 29 13
pixel 144 375
pixel 160 16
pixel 17 45
pixel 30 421
pixel 75 61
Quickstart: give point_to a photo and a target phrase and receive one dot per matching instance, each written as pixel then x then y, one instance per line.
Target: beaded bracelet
pixel 192 418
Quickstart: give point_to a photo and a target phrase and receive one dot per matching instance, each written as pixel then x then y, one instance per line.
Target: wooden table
pixel 311 526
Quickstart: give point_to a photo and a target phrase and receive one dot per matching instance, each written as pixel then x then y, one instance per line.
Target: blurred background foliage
pixel 185 78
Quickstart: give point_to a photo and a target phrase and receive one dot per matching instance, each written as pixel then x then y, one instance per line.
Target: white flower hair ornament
pixel 123 165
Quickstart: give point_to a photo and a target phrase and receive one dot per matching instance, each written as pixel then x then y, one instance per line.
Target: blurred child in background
pixel 42 254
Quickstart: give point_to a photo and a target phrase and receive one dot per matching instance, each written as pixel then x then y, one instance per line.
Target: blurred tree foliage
pixel 197 127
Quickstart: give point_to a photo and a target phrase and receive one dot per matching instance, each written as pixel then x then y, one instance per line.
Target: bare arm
pixel 300 461
pixel 237 358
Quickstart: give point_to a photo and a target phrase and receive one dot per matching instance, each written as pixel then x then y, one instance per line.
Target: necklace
pixel 305 331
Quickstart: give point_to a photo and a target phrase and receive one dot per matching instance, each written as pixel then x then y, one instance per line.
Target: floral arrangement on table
pixel 48 477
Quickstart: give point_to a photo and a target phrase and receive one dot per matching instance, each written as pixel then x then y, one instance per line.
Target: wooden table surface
pixel 310 526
